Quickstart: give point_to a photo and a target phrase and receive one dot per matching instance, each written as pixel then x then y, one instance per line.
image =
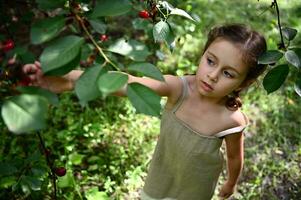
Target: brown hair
pixel 252 45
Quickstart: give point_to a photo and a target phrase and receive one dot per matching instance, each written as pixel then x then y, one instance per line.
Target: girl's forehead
pixel 227 54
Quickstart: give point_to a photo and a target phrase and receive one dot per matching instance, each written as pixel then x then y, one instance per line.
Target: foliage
pixel 101 145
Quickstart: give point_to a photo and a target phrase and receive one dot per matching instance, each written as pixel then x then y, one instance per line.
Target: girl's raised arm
pixel 58 84
pixel 167 88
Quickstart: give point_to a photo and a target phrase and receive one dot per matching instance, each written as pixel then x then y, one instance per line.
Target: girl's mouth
pixel 206 86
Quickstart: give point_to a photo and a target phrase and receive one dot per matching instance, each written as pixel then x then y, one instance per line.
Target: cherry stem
pixel 107 60
pixel 50 165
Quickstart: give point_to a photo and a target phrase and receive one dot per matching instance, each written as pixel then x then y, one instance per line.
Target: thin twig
pixel 107 60
pixel 53 176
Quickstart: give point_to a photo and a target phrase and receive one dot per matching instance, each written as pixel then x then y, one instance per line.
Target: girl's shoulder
pixel 236 118
pixel 176 86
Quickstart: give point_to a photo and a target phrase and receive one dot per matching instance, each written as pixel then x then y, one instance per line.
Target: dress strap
pixel 230 131
pixel 233 130
pixel 183 94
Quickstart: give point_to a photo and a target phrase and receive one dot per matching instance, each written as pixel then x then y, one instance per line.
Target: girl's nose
pixel 213 75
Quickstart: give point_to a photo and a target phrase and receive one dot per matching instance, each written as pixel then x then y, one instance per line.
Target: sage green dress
pixel 186 164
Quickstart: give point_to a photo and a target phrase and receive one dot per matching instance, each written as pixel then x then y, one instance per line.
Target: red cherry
pixel 8 45
pixel 60 171
pixel 24 81
pixel 104 38
pixel 144 14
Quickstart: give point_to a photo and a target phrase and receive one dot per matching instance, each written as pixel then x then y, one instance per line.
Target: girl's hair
pixel 251 43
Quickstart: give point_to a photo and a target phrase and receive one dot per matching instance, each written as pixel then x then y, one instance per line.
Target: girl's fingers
pixel 38 64
pixel 30 69
pixel 32 77
pixel 26 68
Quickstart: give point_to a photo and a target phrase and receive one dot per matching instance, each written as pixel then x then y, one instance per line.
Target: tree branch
pixel 281 45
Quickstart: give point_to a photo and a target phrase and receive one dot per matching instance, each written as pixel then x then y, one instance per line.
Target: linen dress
pixel 186 164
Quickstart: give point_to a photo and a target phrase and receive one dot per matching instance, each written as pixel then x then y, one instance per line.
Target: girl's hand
pixel 226 191
pixel 33 72
pixel 56 84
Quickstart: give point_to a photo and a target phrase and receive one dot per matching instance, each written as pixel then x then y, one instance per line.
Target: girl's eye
pixel 210 62
pixel 228 75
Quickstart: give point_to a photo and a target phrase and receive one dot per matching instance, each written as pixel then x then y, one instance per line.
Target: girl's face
pixel 221 69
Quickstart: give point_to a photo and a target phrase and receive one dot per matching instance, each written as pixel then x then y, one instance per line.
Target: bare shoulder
pixel 238 118
pixel 175 85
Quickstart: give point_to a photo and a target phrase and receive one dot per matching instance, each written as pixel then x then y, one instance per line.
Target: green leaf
pixel 98 26
pixel 66 181
pixel 147 69
pixel 166 5
pixel 46 29
pixel 65 68
pixel 111 8
pixel 24 113
pixel 61 52
pixel 170 40
pixel 6 182
pixel 180 12
pixel 144 99
pixel 270 57
pixel 33 182
pixel 289 33
pixel 292 58
pixel 161 31
pixel 86 87
pixel 297 85
pixel 133 49
pixel 50 96
pixel 275 78
pixel 94 194
pixel 23 54
pixel 27 57
pixel 50 4
pixel 111 82
pixel 76 158
pixel 7 169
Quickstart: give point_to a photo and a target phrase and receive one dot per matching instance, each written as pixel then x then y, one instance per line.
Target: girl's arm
pixel 235 156
pixel 58 84
pixel 166 88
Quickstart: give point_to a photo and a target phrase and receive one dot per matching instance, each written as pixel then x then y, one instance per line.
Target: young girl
pixel 202 110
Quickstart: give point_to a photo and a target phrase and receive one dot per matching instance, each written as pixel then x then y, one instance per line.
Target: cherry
pixel 8 45
pixel 144 14
pixel 60 171
pixel 104 37
pixel 25 81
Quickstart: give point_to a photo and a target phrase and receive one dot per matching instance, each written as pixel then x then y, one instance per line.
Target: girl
pixel 202 110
